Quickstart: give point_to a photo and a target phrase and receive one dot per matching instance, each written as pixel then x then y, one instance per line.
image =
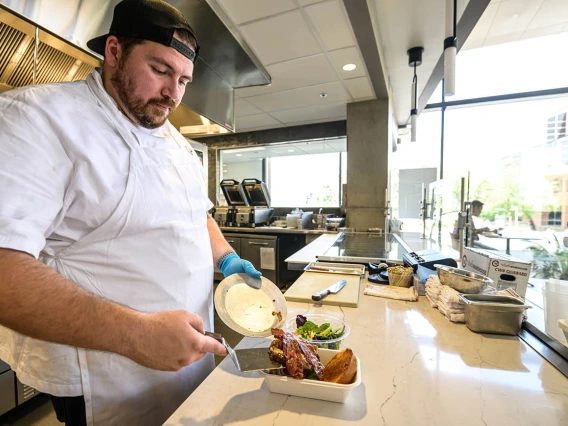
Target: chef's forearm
pixel 38 302
pixel 219 244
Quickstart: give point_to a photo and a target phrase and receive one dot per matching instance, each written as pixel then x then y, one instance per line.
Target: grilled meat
pixel 298 354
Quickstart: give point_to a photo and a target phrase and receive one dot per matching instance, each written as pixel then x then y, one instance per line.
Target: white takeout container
pixel 315 389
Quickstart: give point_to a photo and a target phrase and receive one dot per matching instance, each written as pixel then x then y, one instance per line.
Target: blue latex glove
pixel 233 264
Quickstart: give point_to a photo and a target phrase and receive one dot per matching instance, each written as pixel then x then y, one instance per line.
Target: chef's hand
pixel 170 340
pixel 233 264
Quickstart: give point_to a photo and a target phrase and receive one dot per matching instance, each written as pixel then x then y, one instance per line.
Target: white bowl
pixel 315 389
pixel 320 319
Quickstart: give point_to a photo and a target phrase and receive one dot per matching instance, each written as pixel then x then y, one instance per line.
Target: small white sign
pixel 267 258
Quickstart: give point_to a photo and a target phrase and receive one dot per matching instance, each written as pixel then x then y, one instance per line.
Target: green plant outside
pixel 549 265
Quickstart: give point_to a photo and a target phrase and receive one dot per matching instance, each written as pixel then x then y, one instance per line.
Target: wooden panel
pixel 312 282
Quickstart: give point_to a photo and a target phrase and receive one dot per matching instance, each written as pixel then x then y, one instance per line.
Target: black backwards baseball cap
pixel 153 20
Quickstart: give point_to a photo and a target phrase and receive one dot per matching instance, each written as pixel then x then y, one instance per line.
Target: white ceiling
pixel 303 44
pixel 513 20
pixel 404 24
pixel 240 155
pixel 422 24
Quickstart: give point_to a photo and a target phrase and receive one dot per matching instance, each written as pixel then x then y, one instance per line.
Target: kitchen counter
pixel 309 254
pixel 417 369
pixel 276 230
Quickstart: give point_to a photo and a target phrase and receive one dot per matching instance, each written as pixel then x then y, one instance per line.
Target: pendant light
pixel 414 60
pixel 450 48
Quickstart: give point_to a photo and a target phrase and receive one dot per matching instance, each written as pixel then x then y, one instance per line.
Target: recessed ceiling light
pixel 349 67
pixel 252 148
pixel 291 150
pixel 323 95
pixel 239 155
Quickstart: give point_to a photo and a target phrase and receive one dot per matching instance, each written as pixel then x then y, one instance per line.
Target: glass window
pixel 522 66
pixel 305 180
pixel 415 165
pixel 299 174
pixel 555 218
pixel 505 154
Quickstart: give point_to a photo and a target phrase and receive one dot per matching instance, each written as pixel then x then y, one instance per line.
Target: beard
pixel 146 113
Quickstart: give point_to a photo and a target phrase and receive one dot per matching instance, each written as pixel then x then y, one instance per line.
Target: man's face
pixel 476 211
pixel 150 82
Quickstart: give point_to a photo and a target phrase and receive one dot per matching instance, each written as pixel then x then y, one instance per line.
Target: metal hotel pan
pixel 487 313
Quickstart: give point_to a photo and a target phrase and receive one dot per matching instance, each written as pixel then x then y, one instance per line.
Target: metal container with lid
pixel 493 314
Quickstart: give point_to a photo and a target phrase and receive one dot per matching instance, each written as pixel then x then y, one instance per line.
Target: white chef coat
pixel 66 167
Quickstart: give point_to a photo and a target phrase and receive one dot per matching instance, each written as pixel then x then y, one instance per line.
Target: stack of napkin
pixel 392 292
pixel 433 287
pixel 452 307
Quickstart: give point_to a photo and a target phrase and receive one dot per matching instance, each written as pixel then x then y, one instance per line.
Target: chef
pixel 106 246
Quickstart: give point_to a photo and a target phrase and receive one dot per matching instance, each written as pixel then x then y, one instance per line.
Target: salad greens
pixel 311 331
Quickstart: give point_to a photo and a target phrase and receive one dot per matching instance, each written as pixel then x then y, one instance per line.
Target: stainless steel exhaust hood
pixel 225 61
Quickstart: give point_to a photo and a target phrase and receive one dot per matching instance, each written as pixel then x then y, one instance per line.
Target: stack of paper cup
pixel 400 276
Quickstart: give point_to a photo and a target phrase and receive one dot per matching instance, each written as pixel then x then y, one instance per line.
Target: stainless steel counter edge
pixel 276 230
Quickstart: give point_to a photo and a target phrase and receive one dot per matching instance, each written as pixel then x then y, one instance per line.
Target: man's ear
pixel 112 51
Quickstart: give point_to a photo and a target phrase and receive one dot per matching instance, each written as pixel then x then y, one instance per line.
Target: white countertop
pixel 308 253
pixel 417 369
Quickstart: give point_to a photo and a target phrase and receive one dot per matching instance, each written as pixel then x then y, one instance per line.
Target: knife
pixel 331 289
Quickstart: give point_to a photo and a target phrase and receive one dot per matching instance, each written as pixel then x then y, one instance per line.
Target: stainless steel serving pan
pixel 493 314
pixel 462 280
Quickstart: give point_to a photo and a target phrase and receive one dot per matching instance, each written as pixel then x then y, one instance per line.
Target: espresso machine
pixel 257 211
pixel 225 215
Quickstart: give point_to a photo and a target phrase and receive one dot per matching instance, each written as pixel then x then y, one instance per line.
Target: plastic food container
pixel 462 280
pixel 320 319
pixel 555 296
pixel 488 313
pixel 315 389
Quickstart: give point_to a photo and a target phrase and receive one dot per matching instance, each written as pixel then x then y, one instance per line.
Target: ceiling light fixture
pixel 414 60
pixel 252 148
pixel 349 67
pixel 403 130
pixel 239 155
pixel 291 150
pixel 323 95
pixel 450 48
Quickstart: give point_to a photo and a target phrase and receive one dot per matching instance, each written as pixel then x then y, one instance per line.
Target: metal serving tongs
pixel 245 360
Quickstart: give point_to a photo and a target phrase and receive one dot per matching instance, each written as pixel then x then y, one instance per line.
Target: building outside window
pixel 304 174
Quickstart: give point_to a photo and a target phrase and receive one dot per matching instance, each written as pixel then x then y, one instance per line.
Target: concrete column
pixel 369 141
